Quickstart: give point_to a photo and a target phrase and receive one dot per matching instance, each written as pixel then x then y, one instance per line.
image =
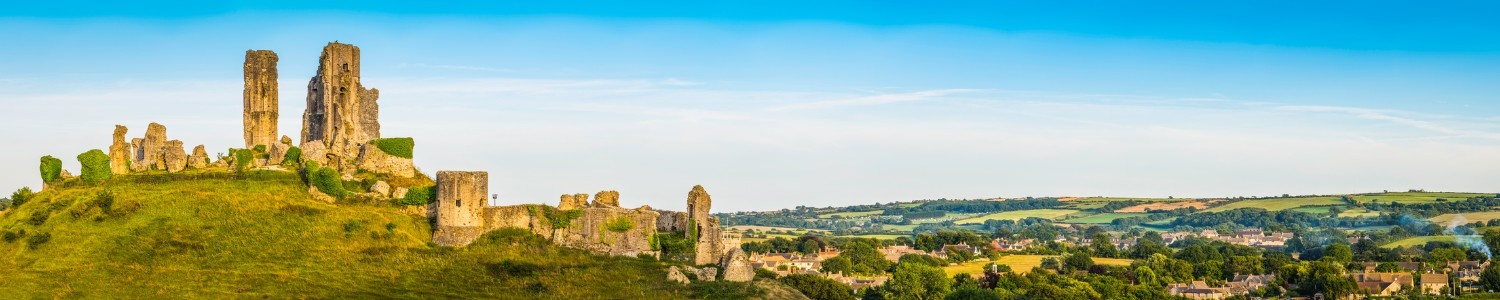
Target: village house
pixel 1382 284
pixel 1197 290
pixel 894 253
pixel 1434 284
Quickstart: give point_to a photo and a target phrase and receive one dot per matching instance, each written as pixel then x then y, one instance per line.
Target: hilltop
pixel 213 234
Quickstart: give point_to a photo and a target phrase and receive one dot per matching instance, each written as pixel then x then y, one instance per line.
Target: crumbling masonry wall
pixel 341 114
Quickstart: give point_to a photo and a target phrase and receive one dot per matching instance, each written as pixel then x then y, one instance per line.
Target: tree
pixel 1445 255
pixel 1102 246
pixel 917 281
pixel 1051 263
pixel 838 264
pixel 1385 267
pixel 1490 278
pixel 818 287
pixel 1078 261
pixel 1340 253
pixel 973 294
pixel 1144 276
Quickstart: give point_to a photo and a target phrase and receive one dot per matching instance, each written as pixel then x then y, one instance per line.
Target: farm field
pixel 1414 197
pixel 898 227
pixel 1165 206
pixel 874 236
pixel 1019 214
pixel 1021 264
pixel 760 228
pixel 1278 204
pixel 1316 209
pixel 850 214
pixel 1104 218
pixel 1360 212
pixel 1470 217
pixel 1419 241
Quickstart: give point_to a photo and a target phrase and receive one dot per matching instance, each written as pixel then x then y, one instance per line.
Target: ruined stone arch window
pixel 346 67
pixel 458 203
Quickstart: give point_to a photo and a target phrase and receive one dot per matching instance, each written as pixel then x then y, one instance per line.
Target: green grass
pixel 876 236
pixel 1470 217
pixel 899 227
pixel 1017 215
pixel 1103 218
pixel 398 147
pixel 1414 197
pixel 1359 212
pixel 1278 204
pixel 1418 241
pixel 260 235
pixel 852 214
pixel 1316 209
pixel 1022 264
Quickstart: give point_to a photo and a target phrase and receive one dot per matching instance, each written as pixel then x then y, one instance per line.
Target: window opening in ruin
pixel 346 67
pixel 458 203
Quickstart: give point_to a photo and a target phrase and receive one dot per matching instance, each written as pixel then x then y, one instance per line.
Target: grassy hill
pixel 222 235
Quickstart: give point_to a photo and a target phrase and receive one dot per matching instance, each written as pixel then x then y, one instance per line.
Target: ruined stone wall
pixel 337 106
pixel 460 206
pixel 261 98
pixel 672 221
pixel 119 152
pixel 574 201
pixel 590 232
pixel 708 247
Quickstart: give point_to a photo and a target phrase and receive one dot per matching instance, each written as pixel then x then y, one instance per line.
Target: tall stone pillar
pixel 261 104
pixel 705 226
pixel 341 114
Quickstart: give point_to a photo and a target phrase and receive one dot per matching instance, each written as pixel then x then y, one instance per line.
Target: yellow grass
pixel 1022 264
pixel 1418 241
pixel 1470 217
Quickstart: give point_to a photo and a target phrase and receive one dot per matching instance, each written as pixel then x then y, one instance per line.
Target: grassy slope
pixel 1417 241
pixel 1019 214
pixel 1022 264
pixel 264 236
pixel 1276 204
pixel 1104 218
pixel 1469 217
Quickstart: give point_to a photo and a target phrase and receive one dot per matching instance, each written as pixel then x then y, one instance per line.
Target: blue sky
pixel 778 104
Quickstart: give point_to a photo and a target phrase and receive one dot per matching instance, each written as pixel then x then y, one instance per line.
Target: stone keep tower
pixel 341 114
pixel 260 98
pixel 460 206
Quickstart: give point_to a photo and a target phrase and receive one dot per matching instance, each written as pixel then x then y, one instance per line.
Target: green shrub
pixel 673 243
pixel 260 148
pixel 619 224
pixel 11 236
pixel 818 287
pixel 37 240
pixel 51 169
pixel 242 159
pixel 20 196
pixel 328 181
pixel 293 156
pixel 398 147
pixel 421 195
pixel 38 217
pixel 95 166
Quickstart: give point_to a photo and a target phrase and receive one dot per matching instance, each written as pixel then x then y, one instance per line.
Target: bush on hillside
pixel 95 166
pixel 398 147
pixel 260 148
pixel 421 195
pixel 51 169
pixel 328 181
pixel 20 196
pixel 36 240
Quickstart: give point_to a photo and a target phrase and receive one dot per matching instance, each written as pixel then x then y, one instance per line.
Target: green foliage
pixel 818 287
pixel 922 259
pixel 293 156
pixel 673 243
pixel 619 224
pixel 260 148
pixel 1490 278
pixel 973 294
pixel 95 166
pixel 1078 262
pixel 328 181
pixel 398 147
pixel 917 281
pixel 693 231
pixel 38 217
pixel 51 169
pixel 760 273
pixel 863 258
pixel 422 195
pixel 242 159
pixel 12 236
pixel 36 240
pixel 20 196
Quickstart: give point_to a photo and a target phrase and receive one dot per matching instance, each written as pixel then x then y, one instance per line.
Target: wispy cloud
pixel 871 100
pixel 1394 116
pixel 451 67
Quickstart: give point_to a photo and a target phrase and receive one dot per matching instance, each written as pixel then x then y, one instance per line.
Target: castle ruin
pixel 260 98
pixel 341 114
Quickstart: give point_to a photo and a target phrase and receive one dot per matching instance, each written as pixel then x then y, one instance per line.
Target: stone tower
pixel 708 247
pixel 260 98
pixel 460 206
pixel 119 152
pixel 341 114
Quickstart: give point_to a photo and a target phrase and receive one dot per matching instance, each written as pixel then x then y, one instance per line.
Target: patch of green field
pixel 261 235
pixel 1113 199
pixel 910 205
pixel 1103 218
pixel 1316 209
pixel 1418 241
pixel 907 228
pixel 1277 204
pixel 1470 217
pixel 1414 197
pixel 1017 215
pixel 851 214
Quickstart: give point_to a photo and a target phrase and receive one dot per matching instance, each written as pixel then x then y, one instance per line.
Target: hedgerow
pixel 421 195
